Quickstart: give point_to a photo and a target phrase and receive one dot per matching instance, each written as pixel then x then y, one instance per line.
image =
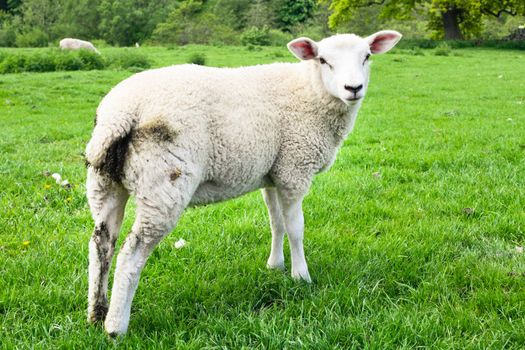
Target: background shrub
pixel 98 43
pixel 256 36
pixel 54 59
pixel 68 60
pixel 421 43
pixel 278 38
pixel 7 30
pixel 128 58
pixel 443 49
pixel 40 62
pixel 265 37
pixel 416 51
pixel 197 58
pixel 13 64
pixel 33 38
pixel 7 36
pixel 251 47
pixel 135 69
pixel 90 60
pixel 460 44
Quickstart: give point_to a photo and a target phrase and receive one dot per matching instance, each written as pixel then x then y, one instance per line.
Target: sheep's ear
pixel 303 48
pixel 383 41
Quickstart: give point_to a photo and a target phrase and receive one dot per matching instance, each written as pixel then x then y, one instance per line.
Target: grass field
pixel 412 237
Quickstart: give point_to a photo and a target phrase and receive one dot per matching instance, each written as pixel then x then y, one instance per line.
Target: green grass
pixel 410 238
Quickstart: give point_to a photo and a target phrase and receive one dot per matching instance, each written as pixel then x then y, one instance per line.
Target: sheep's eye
pixel 323 61
pixel 366 58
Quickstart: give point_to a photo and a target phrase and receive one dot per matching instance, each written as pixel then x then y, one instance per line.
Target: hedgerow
pixel 50 60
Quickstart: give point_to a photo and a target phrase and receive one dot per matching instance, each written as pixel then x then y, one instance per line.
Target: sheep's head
pixel 343 60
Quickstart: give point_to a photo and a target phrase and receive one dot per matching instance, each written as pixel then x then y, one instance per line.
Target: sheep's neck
pixel 337 117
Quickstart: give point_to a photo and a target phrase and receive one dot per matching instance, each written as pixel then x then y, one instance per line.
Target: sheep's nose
pixel 354 89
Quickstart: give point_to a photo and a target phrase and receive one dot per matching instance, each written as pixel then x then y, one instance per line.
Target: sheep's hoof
pixel 302 276
pixel 114 328
pixel 275 265
pixel 98 314
pixel 113 335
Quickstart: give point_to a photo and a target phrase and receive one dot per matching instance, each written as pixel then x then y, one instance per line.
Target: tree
pixel 40 14
pixel 10 5
pixel 125 22
pixel 78 19
pixel 192 22
pixel 291 12
pixel 260 14
pixel 178 25
pixel 452 19
pixel 232 13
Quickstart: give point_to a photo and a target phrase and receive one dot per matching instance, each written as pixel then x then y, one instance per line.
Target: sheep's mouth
pixel 353 99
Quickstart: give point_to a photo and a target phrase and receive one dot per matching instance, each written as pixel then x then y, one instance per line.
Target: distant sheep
pixel 190 135
pixel 76 44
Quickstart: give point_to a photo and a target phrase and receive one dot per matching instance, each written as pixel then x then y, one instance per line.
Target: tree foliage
pixel 78 19
pixel 293 12
pixel 125 22
pixel 191 22
pixel 444 16
pixel 10 5
pixel 260 14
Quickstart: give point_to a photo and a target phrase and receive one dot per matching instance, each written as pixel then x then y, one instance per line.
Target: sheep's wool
pixel 232 130
pixel 76 44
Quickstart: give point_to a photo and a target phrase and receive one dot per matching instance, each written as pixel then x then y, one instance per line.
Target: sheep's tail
pixel 106 151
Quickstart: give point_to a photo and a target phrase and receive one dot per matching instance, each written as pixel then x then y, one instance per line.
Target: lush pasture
pixel 411 237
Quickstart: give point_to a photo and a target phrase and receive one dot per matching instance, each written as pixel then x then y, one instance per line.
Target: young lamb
pixel 189 135
pixel 76 44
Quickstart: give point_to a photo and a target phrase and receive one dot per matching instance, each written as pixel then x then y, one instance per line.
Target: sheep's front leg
pixel 271 199
pixel 294 221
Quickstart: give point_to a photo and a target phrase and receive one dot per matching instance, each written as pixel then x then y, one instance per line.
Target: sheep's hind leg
pixel 271 199
pixel 158 209
pixel 107 201
pixel 294 221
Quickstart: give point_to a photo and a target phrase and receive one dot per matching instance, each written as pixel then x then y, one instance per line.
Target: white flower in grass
pixel 57 178
pixel 180 244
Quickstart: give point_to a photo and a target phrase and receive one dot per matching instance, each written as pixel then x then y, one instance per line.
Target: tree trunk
pixel 451 24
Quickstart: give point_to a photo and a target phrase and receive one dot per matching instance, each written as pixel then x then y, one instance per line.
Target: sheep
pixel 189 135
pixel 76 44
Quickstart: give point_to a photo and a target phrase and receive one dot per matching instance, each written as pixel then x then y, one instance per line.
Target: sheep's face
pixel 343 61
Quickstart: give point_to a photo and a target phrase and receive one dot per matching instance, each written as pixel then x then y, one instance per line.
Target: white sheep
pixel 76 44
pixel 189 135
